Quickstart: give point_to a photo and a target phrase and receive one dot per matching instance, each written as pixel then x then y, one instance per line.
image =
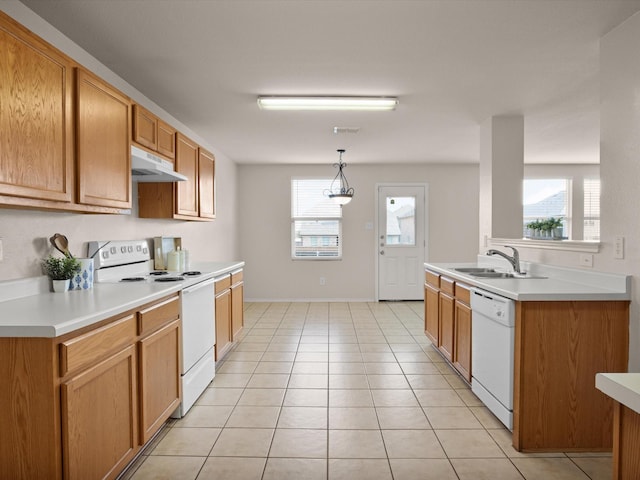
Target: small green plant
pixel 60 268
pixel 535 225
pixel 555 222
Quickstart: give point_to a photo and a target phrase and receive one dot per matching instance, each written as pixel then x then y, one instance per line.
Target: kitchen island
pixel 89 375
pixel 624 389
pixel 568 327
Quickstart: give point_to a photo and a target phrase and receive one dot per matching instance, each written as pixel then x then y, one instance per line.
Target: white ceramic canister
pixel 83 280
pixel 173 261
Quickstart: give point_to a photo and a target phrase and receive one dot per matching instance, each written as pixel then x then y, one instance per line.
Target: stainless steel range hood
pixel 147 167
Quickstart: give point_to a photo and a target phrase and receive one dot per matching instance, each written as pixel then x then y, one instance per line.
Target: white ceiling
pixel 451 63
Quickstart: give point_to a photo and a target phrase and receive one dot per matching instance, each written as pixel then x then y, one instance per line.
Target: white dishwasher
pixel 492 345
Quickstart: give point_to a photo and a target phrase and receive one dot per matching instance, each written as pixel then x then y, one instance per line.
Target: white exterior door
pixel 401 241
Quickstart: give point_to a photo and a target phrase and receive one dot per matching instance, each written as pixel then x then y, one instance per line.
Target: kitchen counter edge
pixel 539 289
pixel 622 387
pixel 50 315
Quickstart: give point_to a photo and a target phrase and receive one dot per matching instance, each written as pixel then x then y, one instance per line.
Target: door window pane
pixel 401 221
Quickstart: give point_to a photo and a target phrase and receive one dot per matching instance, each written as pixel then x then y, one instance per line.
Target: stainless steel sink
pixel 474 270
pixel 493 274
pixel 504 275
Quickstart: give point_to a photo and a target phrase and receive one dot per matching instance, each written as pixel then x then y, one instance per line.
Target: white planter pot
pixel 60 285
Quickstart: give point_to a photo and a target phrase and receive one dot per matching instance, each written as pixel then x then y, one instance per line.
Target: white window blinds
pixel 316 221
pixel 592 209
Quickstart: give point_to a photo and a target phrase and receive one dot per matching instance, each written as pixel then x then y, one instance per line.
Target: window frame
pixel 295 245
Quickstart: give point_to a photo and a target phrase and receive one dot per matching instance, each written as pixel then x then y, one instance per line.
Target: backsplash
pixel 25 233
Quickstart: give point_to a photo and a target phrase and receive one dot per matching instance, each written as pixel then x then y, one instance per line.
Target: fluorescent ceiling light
pixel 327 103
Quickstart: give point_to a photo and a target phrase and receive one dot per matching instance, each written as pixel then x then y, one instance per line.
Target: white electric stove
pixel 127 262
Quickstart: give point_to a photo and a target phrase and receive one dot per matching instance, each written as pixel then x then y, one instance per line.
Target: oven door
pixel 198 322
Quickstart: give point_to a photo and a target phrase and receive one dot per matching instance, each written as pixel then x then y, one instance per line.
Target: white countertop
pixel 622 387
pixel 55 314
pixel 561 284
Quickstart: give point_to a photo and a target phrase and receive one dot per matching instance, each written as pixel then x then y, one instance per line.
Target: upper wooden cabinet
pixel 103 143
pixel 145 127
pixel 64 145
pixel 206 184
pixel 151 132
pixel 36 117
pixel 187 161
pixel 193 199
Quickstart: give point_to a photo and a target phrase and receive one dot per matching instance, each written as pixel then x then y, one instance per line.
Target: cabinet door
pixel 447 315
pixel 206 183
pixel 431 314
pixel 166 140
pixel 99 418
pixel 462 354
pixel 237 309
pixel 36 117
pixel 223 323
pixel 145 127
pixel 187 164
pixel 160 390
pixel 103 143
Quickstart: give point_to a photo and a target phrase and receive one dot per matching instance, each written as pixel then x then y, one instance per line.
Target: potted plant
pixel 60 270
pixel 533 229
pixel 556 228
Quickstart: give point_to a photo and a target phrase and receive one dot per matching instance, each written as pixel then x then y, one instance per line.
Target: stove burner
pixel 158 272
pixel 169 279
pixel 133 279
pixel 191 273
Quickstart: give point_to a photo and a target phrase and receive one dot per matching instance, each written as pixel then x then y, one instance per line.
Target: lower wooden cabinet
pixel 446 316
pixel 81 406
pixel 431 314
pixel 447 320
pixel 223 316
pixel 229 311
pixel 237 304
pixel 462 333
pixel 626 442
pixel 99 418
pixel 160 385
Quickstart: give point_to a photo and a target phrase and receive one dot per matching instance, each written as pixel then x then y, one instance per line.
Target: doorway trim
pixel 377 226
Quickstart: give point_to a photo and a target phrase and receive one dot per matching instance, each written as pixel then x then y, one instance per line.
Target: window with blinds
pixel 545 198
pixel 592 209
pixel 316 221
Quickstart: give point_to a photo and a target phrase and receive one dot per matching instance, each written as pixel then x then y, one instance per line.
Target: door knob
pixel 381 252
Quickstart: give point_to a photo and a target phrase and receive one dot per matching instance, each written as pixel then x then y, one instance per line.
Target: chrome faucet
pixel 514 261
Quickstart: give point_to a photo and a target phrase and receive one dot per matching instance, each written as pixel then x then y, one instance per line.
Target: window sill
pixel 565 245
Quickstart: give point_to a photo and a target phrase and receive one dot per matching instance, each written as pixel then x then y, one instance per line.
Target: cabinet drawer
pixel 432 279
pixel 91 346
pixel 463 294
pixel 447 285
pixel 236 277
pixel 223 284
pixel 158 314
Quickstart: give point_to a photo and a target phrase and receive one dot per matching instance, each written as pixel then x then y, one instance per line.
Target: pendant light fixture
pixel 340 192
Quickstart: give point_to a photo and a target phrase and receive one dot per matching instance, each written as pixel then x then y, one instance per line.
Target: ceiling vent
pixel 351 130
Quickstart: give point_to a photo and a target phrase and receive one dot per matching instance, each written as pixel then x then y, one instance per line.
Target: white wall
pixel 265 226
pixel 25 233
pixel 619 169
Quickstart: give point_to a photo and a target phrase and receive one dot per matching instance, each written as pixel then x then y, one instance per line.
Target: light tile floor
pixel 344 391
